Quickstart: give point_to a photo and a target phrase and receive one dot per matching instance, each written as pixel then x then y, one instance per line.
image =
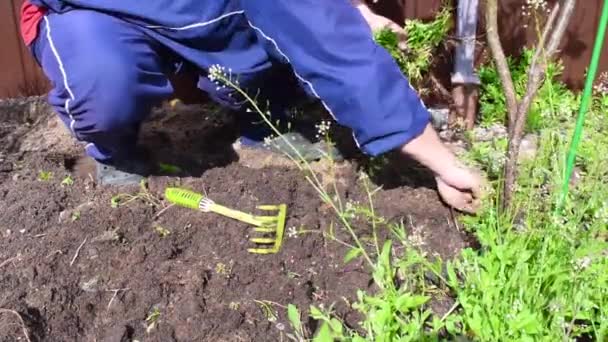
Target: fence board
pixel 19 74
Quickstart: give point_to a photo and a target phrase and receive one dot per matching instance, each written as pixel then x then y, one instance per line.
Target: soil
pixel 75 268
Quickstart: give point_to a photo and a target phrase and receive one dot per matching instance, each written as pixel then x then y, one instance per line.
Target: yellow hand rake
pixel 272 227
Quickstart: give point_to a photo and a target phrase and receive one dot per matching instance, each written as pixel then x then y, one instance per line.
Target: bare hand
pixel 378 22
pixel 460 187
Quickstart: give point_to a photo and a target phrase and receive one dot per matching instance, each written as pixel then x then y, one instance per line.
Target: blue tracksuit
pixel 107 60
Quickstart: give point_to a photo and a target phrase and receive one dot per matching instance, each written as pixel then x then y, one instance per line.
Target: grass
pixel 538 275
pixel 545 272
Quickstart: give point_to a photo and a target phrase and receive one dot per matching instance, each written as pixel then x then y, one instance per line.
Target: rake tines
pixel 270 227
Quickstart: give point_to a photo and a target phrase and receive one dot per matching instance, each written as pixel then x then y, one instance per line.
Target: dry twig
pixel 114 296
pixel 5 262
pixel 23 326
pixel 454 219
pixel 53 253
pixel 78 251
pixel 163 211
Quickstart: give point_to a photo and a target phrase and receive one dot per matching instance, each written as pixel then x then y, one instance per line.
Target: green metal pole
pixel 586 99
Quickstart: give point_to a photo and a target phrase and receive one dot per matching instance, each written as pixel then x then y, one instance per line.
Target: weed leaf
pixel 352 254
pixel 407 302
pixel 294 317
pixel 324 334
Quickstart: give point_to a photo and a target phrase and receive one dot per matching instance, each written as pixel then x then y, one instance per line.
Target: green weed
pixel 67 181
pixel 223 269
pixel 152 320
pixel 541 274
pixel 75 216
pixel 490 156
pixel 235 306
pixel 423 38
pixel 143 195
pixel 554 101
pixel 267 310
pixel 45 176
pixel 293 314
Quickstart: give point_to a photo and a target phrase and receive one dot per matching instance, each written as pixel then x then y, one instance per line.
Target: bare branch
pixel 536 74
pixel 562 25
pixel 542 56
pixel 542 44
pixel 500 59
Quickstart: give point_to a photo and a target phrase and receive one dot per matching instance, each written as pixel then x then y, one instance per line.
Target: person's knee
pixel 111 98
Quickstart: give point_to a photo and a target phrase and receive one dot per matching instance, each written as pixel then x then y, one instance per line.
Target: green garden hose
pixel 586 99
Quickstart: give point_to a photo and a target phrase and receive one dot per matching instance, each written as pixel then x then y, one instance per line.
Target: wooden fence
pixel 19 75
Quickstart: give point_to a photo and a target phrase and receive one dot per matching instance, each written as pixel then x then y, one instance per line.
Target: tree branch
pixel 536 74
pixel 500 59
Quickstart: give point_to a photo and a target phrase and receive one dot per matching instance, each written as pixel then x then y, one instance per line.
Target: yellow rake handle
pixel 193 200
pixel 235 214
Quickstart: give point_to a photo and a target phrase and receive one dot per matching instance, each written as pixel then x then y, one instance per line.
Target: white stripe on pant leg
pixel 63 74
pixel 195 25
pixel 312 89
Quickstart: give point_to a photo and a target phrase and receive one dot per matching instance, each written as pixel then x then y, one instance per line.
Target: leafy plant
pixel 45 176
pixel 152 319
pixel 267 310
pixel 293 314
pixel 75 216
pixel 554 102
pixel 489 156
pixel 223 269
pixel 423 38
pixel 67 181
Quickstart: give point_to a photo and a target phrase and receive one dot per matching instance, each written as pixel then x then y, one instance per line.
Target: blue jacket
pixel 328 44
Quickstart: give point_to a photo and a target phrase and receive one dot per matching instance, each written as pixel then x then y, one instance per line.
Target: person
pixel 108 61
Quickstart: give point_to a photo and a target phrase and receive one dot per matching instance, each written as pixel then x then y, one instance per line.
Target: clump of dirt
pixel 76 268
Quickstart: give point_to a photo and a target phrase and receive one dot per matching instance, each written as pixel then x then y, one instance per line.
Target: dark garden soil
pixel 77 269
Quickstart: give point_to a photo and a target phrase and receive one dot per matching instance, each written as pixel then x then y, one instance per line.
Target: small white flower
pixel 268 140
pixel 292 232
pixel 323 128
pixel 583 263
